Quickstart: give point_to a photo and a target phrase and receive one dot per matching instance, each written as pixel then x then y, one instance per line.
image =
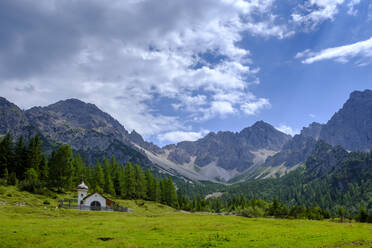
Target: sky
pixel 175 70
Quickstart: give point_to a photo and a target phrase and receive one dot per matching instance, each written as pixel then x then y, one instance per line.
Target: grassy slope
pixel 155 225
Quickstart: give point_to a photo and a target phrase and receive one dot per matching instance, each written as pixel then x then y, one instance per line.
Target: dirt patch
pixel 105 238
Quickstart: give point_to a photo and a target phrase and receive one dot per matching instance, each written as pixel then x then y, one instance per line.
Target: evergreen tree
pixel 79 169
pixel 157 190
pixel 44 170
pixel 164 191
pixel 140 183
pixel 61 168
pixel 168 193
pixel 34 153
pixel 31 182
pixel 363 215
pixel 100 178
pixel 129 185
pixel 118 178
pixel 20 158
pixel 173 194
pixel 114 167
pixel 6 155
pixel 151 186
pixel 341 213
pixel 12 179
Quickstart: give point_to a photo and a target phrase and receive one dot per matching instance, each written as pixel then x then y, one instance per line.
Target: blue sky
pixel 176 70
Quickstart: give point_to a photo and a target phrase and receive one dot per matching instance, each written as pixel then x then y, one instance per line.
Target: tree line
pixel 348 186
pixel 24 164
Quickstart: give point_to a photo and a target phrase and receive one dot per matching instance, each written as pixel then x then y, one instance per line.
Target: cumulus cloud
pixel 178 136
pixel 361 50
pixel 314 12
pixel 287 129
pixel 351 5
pixel 252 108
pixel 128 57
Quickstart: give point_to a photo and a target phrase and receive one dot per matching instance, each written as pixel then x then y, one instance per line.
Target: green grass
pixel 155 225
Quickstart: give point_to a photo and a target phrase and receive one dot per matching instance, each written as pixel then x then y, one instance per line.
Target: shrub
pixel 252 212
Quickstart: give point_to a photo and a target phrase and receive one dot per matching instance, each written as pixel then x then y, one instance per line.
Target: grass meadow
pixel 25 221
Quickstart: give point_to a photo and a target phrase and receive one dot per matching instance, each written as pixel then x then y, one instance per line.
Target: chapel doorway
pixel 96 205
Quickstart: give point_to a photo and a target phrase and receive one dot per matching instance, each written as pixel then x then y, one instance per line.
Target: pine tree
pixel 173 199
pixel 20 158
pixel 129 185
pixel 100 178
pixel 109 185
pixel 34 153
pixel 12 179
pixel 6 155
pixel 79 169
pixel 140 188
pixel 118 178
pixel 168 193
pixel 164 191
pixel 150 186
pixel 61 168
pixel 44 170
pixel 31 182
pixel 114 167
pixel 157 190
pixel 341 213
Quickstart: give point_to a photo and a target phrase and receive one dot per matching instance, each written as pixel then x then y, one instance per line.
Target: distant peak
pixel 136 137
pixel 71 101
pixel 361 94
pixel 260 124
pixel 4 101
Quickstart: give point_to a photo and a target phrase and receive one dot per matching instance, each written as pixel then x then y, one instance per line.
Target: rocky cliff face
pixel 324 159
pixel 313 130
pixel 293 153
pixel 87 129
pixel 230 150
pixel 351 126
pixel 255 152
pixel 13 120
pixel 73 121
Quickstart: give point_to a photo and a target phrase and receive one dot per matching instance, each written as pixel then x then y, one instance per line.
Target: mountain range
pixel 258 151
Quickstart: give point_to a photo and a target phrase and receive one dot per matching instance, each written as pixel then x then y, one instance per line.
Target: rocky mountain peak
pixel 262 135
pixel 74 116
pixel 313 130
pixel 5 103
pixel 13 120
pixel 351 126
pixel 136 137
pixel 358 95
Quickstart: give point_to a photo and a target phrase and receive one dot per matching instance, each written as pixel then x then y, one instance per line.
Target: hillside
pixel 329 178
pixel 258 151
pixel 29 224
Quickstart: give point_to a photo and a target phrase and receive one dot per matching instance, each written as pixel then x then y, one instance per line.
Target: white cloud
pixel 312 116
pixel 127 56
pixel 342 54
pixel 221 108
pixel 178 136
pixel 314 12
pixel 369 18
pixel 351 5
pixel 287 129
pixel 253 107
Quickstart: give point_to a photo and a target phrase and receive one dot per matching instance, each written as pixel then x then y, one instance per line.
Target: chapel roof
pixel 82 186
